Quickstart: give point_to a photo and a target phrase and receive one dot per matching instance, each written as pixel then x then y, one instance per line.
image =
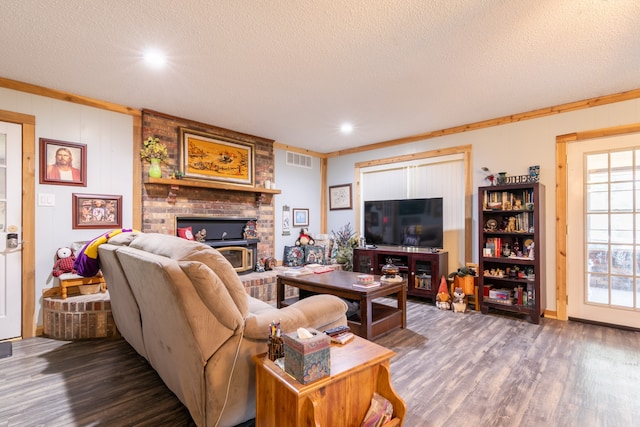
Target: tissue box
pixel 307 360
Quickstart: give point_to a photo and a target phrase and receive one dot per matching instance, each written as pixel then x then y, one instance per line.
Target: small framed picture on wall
pixel 300 217
pixel 96 211
pixel 340 197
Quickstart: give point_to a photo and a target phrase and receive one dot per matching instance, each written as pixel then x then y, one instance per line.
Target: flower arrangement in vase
pixel 154 152
pixel 345 240
pixel 488 175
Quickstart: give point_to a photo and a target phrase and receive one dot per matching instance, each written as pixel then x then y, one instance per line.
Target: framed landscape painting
pixel 215 158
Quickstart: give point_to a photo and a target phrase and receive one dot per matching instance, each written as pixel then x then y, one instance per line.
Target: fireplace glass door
pixel 241 258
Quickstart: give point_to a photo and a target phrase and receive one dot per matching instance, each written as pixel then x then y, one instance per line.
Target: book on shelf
pixel 519 294
pixel 490 250
pixel 531 294
pixel 494 244
pixel 511 197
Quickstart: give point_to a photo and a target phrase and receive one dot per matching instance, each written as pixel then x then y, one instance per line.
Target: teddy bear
pixel 64 262
pixel 304 239
pixel 459 305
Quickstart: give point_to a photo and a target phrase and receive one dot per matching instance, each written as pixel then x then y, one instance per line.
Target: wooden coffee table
pixel 358 369
pixel 374 318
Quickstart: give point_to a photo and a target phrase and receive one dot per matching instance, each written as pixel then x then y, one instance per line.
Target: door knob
pixel 12 240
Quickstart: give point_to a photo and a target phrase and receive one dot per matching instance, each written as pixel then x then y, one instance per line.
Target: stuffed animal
pixel 64 262
pixel 459 305
pixel 304 239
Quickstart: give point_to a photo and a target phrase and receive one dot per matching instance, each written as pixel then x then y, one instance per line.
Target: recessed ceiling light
pixel 346 128
pixel 155 58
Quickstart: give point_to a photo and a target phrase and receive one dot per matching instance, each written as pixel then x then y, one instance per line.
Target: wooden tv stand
pixel 422 267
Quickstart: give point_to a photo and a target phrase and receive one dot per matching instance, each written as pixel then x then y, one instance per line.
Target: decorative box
pixel 307 360
pixel 500 294
pixel 365 279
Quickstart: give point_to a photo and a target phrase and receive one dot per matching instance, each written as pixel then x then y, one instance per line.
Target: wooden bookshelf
pixel 511 218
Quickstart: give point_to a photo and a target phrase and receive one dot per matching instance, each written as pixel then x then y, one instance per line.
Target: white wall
pixel 300 189
pixel 109 140
pixel 510 148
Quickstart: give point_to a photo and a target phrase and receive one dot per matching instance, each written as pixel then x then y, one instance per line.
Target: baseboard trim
pixel 609 325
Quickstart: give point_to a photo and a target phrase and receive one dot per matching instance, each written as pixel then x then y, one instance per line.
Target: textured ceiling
pixel 294 70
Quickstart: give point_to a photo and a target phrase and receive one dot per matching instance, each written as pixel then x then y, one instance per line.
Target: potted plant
pixel 344 240
pixel 463 278
pixel 154 152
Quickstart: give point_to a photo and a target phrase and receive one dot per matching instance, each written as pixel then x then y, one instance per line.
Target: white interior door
pixel 10 226
pixel 603 251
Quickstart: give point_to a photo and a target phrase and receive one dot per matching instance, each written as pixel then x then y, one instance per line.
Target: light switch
pixel 46 199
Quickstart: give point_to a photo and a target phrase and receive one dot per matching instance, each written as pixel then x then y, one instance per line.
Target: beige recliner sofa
pixel 182 306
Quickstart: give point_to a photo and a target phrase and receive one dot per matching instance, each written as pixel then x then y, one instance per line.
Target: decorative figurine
pixel 201 235
pixel 459 305
pixel 517 204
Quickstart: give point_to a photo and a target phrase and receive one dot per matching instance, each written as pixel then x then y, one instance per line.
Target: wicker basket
pixel 89 289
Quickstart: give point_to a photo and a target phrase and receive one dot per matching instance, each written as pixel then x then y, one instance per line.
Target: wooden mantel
pixel 177 183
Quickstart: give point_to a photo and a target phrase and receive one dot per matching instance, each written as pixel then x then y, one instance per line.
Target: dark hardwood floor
pixel 451 368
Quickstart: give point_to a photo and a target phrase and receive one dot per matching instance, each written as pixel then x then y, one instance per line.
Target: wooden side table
pixel 358 369
pixel 70 279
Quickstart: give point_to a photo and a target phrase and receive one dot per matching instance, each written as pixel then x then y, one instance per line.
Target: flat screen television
pixel 405 222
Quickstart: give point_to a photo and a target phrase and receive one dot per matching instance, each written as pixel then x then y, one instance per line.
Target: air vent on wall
pixel 296 159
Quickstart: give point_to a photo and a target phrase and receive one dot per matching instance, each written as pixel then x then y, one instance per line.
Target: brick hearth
pixel 79 317
pixel 89 316
pixel 263 285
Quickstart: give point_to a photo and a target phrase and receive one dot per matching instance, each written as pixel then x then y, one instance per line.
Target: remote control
pixel 337 330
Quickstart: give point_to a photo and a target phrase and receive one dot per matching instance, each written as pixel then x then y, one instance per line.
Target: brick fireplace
pixel 161 204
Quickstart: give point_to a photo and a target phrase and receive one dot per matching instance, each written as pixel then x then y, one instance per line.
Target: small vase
pixel 502 178
pixel 154 170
